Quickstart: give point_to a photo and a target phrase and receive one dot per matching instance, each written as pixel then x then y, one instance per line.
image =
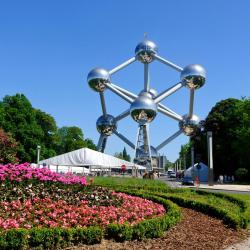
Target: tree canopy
pixel 229 121
pixel 31 127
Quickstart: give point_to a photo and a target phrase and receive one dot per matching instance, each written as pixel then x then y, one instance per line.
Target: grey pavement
pixel 244 245
pixel 228 188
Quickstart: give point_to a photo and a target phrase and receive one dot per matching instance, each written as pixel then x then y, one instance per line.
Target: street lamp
pixel 210 158
pixel 38 153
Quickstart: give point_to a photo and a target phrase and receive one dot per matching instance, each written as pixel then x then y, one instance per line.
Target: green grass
pixel 133 183
pixel 246 199
pixel 229 208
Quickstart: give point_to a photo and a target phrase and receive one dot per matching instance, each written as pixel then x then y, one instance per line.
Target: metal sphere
pixel 194 75
pixel 96 79
pixel 153 93
pixel 106 125
pixel 143 109
pixel 145 50
pixel 190 125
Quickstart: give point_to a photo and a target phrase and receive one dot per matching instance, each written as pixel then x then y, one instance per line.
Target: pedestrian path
pixel 229 187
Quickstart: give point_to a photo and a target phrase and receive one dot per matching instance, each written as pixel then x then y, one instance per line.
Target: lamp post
pixel 38 153
pixel 210 158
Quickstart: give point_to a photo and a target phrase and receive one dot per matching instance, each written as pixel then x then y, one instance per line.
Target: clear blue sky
pixel 47 49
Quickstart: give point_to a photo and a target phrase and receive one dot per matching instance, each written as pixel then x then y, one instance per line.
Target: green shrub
pixel 16 239
pixel 241 174
pixel 119 232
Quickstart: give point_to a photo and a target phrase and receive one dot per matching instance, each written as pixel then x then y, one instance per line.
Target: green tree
pixel 229 120
pixel 19 118
pixel 71 138
pixel 123 155
pixel 8 148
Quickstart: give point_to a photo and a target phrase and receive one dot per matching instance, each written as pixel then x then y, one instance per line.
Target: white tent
pixel 201 172
pixel 88 157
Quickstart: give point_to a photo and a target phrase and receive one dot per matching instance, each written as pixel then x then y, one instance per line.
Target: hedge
pixel 231 219
pixel 51 238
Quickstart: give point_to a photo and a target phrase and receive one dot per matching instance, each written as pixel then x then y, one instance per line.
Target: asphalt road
pixel 174 183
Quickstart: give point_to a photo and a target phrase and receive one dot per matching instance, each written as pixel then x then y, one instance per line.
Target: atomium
pixel 145 51
pixel 145 106
pixel 143 110
pixel 194 76
pixel 106 125
pixel 190 125
pixel 97 78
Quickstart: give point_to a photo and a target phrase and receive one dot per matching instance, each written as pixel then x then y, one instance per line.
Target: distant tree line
pixel 229 121
pixel 23 128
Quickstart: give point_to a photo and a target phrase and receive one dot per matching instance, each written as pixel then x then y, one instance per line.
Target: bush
pixel 49 238
pixel 241 174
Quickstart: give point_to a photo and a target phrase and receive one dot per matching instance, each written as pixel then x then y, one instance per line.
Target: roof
pixel 88 157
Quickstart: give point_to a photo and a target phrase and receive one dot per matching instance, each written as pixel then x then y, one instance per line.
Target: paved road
pixel 177 184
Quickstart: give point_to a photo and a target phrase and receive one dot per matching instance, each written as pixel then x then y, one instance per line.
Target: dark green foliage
pixel 241 174
pixel 8 148
pixel 229 121
pixel 71 138
pixel 49 238
pixel 31 127
pixel 119 232
pixel 123 155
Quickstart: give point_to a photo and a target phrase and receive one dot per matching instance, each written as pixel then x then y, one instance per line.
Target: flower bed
pixel 24 171
pixel 38 212
pixel 32 197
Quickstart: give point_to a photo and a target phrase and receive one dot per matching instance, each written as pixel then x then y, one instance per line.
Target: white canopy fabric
pixel 89 157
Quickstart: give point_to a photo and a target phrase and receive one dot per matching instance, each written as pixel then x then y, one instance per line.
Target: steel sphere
pixel 106 125
pixel 143 109
pixel 153 93
pixel 194 75
pixel 190 125
pixel 145 51
pixel 96 79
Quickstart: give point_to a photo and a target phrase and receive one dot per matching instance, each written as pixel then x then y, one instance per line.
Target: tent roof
pixel 88 157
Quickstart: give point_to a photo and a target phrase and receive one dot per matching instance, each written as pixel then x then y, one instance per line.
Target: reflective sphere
pixel 143 109
pixel 153 93
pixel 145 50
pixel 106 124
pixel 190 125
pixel 194 75
pixel 96 79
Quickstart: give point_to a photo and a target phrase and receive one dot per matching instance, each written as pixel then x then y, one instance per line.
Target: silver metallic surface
pixel 168 63
pixel 153 92
pixel 191 103
pixel 104 111
pixel 189 125
pixel 145 106
pixel 169 114
pixel 168 140
pixel 194 75
pixel 106 125
pixel 122 115
pixel 119 93
pixel 122 66
pixel 168 92
pixel 145 51
pixel 146 77
pixel 126 140
pixel 97 78
pixel 167 109
pixel 143 109
pixel 102 143
pixel 124 91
